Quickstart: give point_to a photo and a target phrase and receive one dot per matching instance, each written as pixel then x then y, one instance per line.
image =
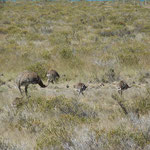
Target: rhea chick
pixel 26 78
pixel 80 87
pixel 53 76
pixel 123 86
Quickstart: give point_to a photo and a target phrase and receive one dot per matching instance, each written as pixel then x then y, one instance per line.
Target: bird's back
pixel 123 85
pixel 53 73
pixel 28 77
pixel 80 86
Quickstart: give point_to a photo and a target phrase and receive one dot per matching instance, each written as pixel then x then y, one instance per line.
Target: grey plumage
pixel 26 78
pixel 53 76
pixel 123 86
pixel 80 87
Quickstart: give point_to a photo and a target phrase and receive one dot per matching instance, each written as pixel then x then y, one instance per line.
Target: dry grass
pixel 62 36
pixel 96 42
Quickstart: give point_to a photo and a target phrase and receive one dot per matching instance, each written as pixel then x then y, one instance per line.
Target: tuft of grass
pixel 38 68
pixel 4 144
pixel 66 53
pixel 63 106
pixel 128 60
pixel 119 138
pixel 142 103
pixel 54 135
pixel 110 76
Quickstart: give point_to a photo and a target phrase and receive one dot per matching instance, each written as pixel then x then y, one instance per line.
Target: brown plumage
pixel 80 87
pixel 26 78
pixel 53 76
pixel 123 86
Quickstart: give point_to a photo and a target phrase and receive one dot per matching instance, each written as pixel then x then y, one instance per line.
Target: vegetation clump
pixel 92 42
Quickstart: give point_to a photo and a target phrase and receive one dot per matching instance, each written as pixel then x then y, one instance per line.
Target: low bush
pixel 39 68
pixel 110 76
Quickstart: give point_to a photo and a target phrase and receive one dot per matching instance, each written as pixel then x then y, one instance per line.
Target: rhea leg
pixel 82 93
pixel 48 81
pixel 19 87
pixel 26 90
pixel 79 93
pixel 55 79
pixel 120 92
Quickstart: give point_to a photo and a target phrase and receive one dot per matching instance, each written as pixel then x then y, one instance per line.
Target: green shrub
pixel 68 106
pixel 110 76
pixel 118 137
pixel 13 30
pixel 128 59
pixel 146 29
pixel 66 53
pixel 34 37
pixel 63 105
pixel 72 107
pixel 38 68
pixel 54 136
pixel 117 31
pixel 143 76
pixel 31 124
pixel 142 103
pixel 46 55
pixel 3 31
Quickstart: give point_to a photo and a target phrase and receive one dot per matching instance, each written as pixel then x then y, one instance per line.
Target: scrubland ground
pixel 90 42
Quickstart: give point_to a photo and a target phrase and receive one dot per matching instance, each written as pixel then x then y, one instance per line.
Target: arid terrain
pixel 96 43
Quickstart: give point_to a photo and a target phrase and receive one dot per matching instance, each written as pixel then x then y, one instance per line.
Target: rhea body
pixel 26 78
pixel 53 76
pixel 123 86
pixel 80 87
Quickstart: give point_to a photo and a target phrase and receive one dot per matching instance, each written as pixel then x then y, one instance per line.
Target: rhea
pixel 53 76
pixel 123 86
pixel 26 78
pixel 80 87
